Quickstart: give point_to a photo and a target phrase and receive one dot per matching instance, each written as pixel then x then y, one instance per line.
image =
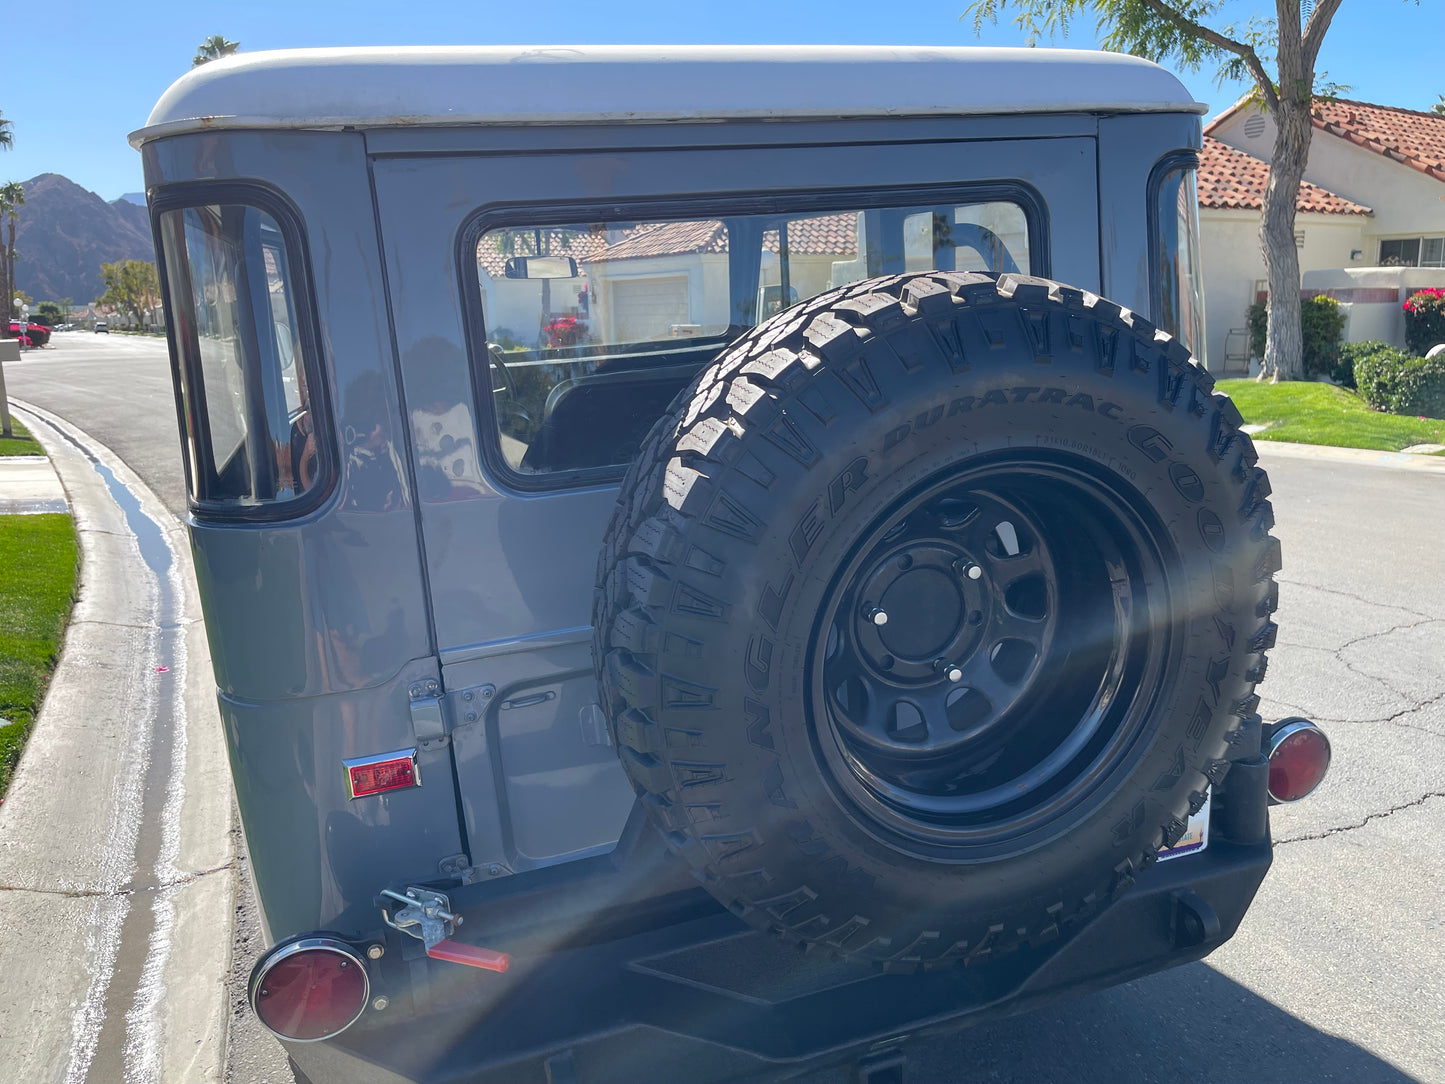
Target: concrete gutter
pixel 116 849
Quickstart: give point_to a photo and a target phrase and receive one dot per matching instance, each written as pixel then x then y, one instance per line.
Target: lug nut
pixel 375 952
pixel 973 572
pixel 877 616
pixel 380 1003
pixel 948 670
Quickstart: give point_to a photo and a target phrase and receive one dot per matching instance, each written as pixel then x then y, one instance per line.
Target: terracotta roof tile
pixel 1413 139
pixel 667 239
pixel 1232 180
pixel 825 234
pixel 1410 137
pixel 835 235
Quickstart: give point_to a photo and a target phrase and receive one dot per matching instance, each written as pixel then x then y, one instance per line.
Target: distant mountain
pixel 134 197
pixel 65 233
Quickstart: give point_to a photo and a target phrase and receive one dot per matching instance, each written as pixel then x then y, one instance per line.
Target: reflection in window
pixel 250 429
pixel 1180 308
pixel 593 328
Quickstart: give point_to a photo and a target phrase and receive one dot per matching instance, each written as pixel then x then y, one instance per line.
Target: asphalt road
pixel 1338 972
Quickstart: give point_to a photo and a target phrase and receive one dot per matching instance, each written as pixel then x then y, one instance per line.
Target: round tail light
pixel 1299 756
pixel 309 989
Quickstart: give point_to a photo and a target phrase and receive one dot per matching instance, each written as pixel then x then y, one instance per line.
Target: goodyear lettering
pixel 853 477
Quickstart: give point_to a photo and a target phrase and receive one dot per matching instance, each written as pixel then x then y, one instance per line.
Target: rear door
pixel 497 371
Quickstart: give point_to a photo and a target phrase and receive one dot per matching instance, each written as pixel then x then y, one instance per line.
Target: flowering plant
pixel 1425 319
pixel 564 331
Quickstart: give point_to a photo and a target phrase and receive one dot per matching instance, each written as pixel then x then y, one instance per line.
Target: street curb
pixel 152 1005
pixel 1365 456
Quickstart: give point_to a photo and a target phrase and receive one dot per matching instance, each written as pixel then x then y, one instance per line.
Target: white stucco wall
pixel 514 306
pixel 709 303
pixel 1232 263
pixel 1384 318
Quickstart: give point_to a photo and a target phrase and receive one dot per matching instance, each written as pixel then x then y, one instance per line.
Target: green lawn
pixel 37 584
pixel 20 443
pixel 1310 413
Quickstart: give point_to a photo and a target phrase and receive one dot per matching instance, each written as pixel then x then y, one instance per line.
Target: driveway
pixel 1336 973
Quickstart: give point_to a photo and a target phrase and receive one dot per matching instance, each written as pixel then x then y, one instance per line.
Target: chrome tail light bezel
pixel 1282 732
pixel 308 943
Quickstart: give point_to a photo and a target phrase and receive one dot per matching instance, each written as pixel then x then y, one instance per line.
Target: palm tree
pixel 213 48
pixel 7 136
pixel 12 198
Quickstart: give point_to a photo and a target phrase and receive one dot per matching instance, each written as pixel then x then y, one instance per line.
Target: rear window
pixel 592 328
pixel 1178 286
pixel 246 380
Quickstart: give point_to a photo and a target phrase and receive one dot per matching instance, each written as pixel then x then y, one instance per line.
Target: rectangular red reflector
pixel 389 771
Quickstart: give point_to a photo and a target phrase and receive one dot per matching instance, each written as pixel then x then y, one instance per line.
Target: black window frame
pixel 1174 161
pixel 513 215
pixel 187 381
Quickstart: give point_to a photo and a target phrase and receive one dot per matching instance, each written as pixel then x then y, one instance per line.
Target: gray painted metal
pixel 322 626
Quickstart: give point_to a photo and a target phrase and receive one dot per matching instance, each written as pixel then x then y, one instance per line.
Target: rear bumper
pixel 705 999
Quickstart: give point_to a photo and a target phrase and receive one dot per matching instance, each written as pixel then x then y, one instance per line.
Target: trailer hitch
pixel 427 916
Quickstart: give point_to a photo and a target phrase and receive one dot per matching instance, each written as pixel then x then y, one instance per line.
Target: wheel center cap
pixel 917 607
pixel 924 610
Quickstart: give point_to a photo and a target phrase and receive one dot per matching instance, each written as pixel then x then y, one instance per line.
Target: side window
pixel 246 382
pixel 1178 291
pixel 592 328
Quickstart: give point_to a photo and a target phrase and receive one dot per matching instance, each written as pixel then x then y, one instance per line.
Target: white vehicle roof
pixel 431 85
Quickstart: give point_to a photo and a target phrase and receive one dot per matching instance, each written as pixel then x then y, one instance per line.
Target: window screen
pixel 592 328
pixel 244 377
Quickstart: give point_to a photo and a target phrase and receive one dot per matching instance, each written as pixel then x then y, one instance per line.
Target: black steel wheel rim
pixel 992 651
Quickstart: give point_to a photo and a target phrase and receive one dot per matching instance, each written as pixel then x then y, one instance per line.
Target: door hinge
pixel 427 720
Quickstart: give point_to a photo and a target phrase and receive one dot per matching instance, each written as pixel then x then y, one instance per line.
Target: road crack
pixel 1368 818
pixel 1357 598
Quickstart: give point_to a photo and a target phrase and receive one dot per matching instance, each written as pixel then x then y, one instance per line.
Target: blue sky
pixel 74 94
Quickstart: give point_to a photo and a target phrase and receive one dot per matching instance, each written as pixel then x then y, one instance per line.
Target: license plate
pixel 1195 837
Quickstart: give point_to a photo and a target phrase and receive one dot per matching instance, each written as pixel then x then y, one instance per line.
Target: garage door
pixel 646 309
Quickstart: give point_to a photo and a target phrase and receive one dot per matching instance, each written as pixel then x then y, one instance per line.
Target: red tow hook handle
pixel 472 955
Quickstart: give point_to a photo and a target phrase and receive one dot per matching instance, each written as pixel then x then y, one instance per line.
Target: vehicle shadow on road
pixel 1182 1026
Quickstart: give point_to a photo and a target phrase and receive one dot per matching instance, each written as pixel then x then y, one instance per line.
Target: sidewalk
pixel 116 850
pixel 29 486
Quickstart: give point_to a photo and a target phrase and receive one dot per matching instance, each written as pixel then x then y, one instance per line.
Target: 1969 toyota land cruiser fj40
pixel 701 582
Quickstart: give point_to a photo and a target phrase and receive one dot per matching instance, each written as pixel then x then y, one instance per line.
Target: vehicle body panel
pixel 562 793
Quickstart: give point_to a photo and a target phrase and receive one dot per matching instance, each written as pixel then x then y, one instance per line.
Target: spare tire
pixel 927 614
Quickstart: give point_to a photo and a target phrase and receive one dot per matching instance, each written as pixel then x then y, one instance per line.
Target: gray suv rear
pixel 659 510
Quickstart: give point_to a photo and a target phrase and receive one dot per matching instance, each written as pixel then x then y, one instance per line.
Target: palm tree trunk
pixel 10 262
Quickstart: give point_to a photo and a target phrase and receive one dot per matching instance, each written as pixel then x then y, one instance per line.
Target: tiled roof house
pixel 1373 197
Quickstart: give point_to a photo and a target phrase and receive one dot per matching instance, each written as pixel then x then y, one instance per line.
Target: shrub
pixel 1321 323
pixel 1350 356
pixel 1425 319
pixel 1396 381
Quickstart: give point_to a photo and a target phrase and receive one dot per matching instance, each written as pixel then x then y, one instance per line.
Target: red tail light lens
pixel 1299 756
pixel 310 989
pixel 388 771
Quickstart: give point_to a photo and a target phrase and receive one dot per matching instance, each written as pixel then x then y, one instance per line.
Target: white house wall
pixel 707 275
pixel 1233 263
